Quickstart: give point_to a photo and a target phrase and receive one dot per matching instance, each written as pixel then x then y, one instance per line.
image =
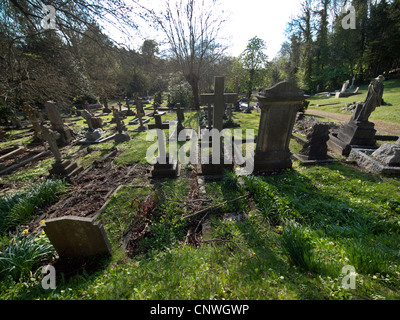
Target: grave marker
pixel 359 132
pixel 279 106
pixel 77 237
pixel 66 133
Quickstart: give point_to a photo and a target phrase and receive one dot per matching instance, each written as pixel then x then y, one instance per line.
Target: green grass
pixel 389 112
pixel 299 229
pixel 18 207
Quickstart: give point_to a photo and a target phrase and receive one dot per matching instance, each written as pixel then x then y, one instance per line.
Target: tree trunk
pixel 194 83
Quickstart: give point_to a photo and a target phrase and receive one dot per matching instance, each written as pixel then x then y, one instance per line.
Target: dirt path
pixel 380 126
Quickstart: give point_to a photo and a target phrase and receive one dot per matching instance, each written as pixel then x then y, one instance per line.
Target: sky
pixel 266 19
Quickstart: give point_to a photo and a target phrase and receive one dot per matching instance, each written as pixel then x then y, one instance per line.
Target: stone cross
pixel 218 99
pixel 119 122
pixel 139 104
pixel 51 137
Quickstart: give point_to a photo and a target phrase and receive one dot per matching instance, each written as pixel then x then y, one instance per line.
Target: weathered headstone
pixel 279 106
pixel 121 136
pixel 92 134
pixel 106 109
pixel 316 148
pixel 63 168
pixel 77 237
pixel 57 124
pixel 388 154
pixel 166 166
pixel 31 113
pixel 345 85
pixel 129 112
pixel 359 131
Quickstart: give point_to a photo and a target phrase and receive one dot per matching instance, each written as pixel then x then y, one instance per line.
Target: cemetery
pixel 142 194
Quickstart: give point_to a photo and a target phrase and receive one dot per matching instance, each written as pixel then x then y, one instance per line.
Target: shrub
pixel 181 93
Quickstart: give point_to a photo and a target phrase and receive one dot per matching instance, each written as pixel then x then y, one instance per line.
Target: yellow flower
pixel 25 231
pixel 19 242
pixel 372 240
pixel 42 222
pixel 42 233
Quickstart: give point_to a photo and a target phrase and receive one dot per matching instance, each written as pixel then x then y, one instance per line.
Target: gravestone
pixel 359 132
pixel 218 99
pixel 352 83
pixel 129 112
pixel 31 114
pixel 158 122
pixel 139 121
pixel 279 106
pixel 388 154
pixel 106 109
pixel 92 133
pixel 345 85
pixel 57 124
pixel 60 168
pixel 121 136
pixel 77 237
pixel 315 149
pixel 166 166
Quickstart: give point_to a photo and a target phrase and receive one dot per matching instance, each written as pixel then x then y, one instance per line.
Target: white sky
pixel 266 19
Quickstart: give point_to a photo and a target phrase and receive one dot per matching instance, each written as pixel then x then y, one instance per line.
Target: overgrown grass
pixel 19 207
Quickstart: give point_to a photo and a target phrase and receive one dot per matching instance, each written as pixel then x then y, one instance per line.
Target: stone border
pixel 365 161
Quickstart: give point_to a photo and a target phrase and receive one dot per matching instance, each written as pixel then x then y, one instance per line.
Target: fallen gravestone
pixel 77 237
pixel 359 132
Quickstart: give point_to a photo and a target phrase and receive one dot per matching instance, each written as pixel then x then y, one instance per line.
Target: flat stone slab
pixel 305 161
pixel 368 163
pixel 77 237
pixel 86 141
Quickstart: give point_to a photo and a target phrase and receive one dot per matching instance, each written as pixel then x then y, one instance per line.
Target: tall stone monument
pixel 279 106
pixel 359 132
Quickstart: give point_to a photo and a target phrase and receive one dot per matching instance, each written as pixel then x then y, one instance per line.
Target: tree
pixel 254 62
pixel 36 63
pixel 191 30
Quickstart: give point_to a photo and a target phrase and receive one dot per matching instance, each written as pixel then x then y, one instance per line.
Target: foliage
pixel 18 207
pixel 181 93
pixel 253 62
pixel 24 252
pixel 322 53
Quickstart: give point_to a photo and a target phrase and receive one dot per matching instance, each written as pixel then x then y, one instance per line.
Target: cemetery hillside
pixel 169 169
